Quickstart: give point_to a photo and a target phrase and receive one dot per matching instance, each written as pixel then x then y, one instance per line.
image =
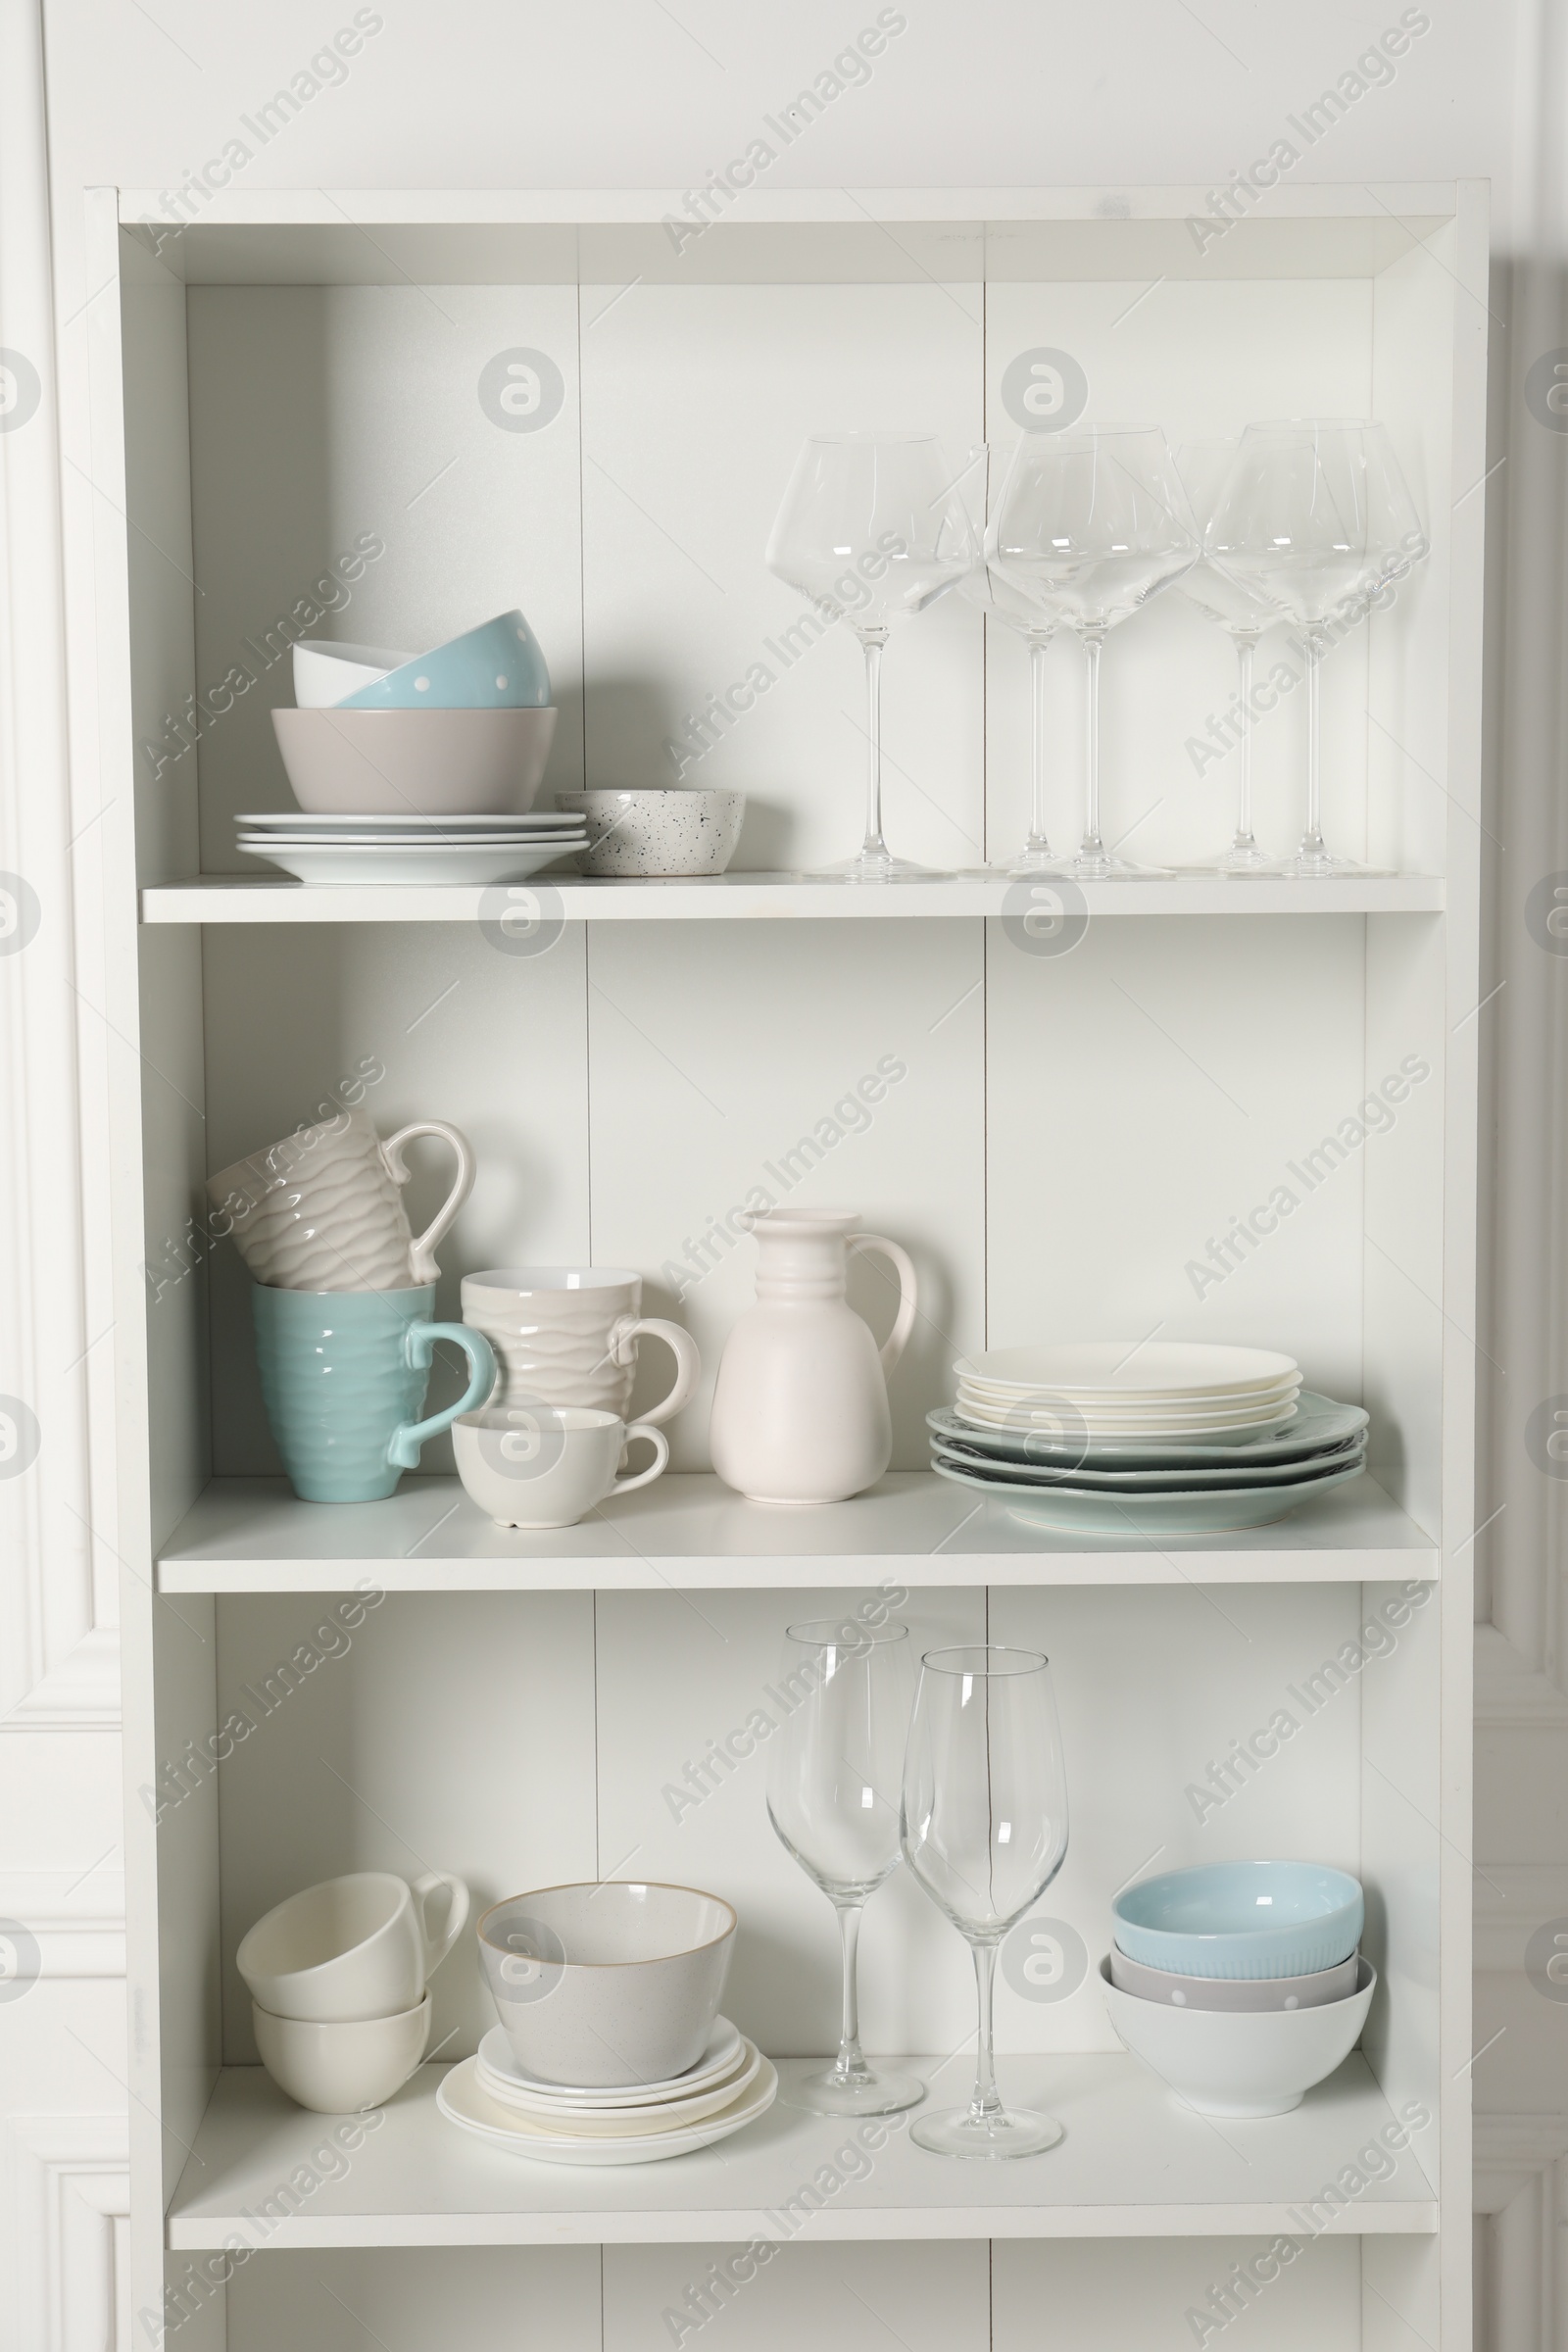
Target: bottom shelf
pixel 1133 2164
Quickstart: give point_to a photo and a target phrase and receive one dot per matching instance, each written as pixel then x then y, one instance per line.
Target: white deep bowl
pixel 325 672
pixel 342 2068
pixel 1238 2063
pixel 657 833
pixel 415 763
pixel 609 1985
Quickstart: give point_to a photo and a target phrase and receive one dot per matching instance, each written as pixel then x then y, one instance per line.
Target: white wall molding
pixel 1522 2209
pixel 78 1922
pixel 1511 1693
pixel 70 2201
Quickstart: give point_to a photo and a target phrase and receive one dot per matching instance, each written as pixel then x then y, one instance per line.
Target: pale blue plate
pixel 1240 1919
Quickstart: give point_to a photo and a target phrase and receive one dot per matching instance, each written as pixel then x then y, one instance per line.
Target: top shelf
pixel 731 898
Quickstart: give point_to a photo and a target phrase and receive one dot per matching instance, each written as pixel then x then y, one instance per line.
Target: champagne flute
pixel 1244 615
pixel 998 600
pixel 833 1799
pixel 872 529
pixel 1092 525
pixel 1315 515
pixel 985 1831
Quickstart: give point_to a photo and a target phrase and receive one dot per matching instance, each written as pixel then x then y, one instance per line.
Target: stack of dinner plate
pixel 349 849
pixel 1150 1438
pixel 491 2095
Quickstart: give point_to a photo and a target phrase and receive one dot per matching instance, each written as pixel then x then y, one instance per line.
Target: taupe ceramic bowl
pixel 600 1986
pixel 415 763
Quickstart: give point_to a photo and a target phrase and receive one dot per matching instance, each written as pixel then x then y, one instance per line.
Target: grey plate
pixel 1069 1511
pixel 1318 1424
pixel 1180 1479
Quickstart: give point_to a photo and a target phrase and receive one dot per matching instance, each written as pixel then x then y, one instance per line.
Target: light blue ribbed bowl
pixel 496 666
pixel 344 1375
pixel 1242 1919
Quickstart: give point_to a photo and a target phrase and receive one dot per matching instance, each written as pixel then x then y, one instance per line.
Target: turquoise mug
pixel 344 1375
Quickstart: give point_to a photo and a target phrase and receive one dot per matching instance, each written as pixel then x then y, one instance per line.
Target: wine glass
pixel 833 1799
pixel 1244 615
pixel 1091 525
pixel 872 529
pixel 985 1831
pixel 1315 516
pixel 998 600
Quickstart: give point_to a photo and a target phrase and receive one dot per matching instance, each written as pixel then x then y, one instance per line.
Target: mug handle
pixel 420 1345
pixel 688 1363
pixel 644 1478
pixel 421 1253
pixel 432 1882
pixel 896 1340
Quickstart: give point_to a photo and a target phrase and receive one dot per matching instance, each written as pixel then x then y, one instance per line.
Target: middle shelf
pixel 250 1534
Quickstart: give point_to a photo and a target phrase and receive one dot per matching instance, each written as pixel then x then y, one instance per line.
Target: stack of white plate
pixel 410 849
pixel 491 2095
pixel 1161 1438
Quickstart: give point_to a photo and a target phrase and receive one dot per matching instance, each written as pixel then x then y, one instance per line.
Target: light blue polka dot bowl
pixel 1240 1919
pixel 496 666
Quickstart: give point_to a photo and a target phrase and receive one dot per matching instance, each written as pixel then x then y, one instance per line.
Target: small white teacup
pixel 536 1465
pixel 357 1947
pixel 342 2068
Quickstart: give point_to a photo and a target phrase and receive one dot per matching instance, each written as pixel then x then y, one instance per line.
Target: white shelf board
pixel 690 1532
pixel 1133 2164
pixel 730 897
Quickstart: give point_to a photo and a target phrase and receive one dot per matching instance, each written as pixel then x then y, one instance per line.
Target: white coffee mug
pixel 323 1208
pixel 342 2068
pixel 539 1465
pixel 567 1335
pixel 353 1947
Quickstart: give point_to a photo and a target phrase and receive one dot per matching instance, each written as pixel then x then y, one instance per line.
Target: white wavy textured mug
pixel 323 1209
pixel 567 1335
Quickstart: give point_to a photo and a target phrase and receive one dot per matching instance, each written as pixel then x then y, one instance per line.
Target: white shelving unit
pixel 1071 1133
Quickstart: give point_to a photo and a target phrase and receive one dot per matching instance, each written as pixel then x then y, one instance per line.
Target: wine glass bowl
pixel 872 529
pixel 833 1801
pixel 999 598
pixel 1091 525
pixel 983 1828
pixel 1243 614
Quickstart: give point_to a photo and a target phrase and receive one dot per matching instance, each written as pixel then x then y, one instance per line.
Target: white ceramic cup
pixel 342 2068
pixel 323 1209
pixel 567 1335
pixel 351 1948
pixel 547 1465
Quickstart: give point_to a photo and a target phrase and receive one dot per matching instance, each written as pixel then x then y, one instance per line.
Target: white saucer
pixel 626 2123
pixel 335 864
pixel 348 823
pixel 463 2103
pixel 724 2045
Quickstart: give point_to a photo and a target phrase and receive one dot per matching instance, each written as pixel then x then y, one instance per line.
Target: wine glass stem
pixel 873 731
pixel 1313 840
pixel 851 2063
pixel 1038 647
pixel 985 2104
pixel 1245 646
pixel 1094 642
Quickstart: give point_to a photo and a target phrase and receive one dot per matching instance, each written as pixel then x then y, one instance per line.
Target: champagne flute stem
pixel 1038 647
pixel 1094 846
pixel 985 2106
pixel 1312 841
pixel 1245 646
pixel 874 842
pixel 851 2064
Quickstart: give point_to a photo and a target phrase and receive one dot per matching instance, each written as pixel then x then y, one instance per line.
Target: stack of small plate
pixel 325 850
pixel 731 2085
pixel 1164 1439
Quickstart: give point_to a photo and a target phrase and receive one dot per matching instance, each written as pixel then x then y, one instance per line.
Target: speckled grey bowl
pixel 657 833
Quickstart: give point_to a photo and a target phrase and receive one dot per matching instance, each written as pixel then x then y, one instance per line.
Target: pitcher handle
pixel 419 1341
pixel 898 1338
pixel 681 1344
pixel 436 1947
pixel 421 1253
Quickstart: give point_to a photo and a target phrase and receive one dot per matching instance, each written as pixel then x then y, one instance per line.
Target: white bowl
pixel 341 2069
pixel 657 833
pixel 1231 2063
pixel 607 1984
pixel 415 763
pixel 1312 1992
pixel 325 672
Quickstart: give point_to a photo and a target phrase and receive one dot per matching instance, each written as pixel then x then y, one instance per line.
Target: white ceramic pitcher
pixel 801 1404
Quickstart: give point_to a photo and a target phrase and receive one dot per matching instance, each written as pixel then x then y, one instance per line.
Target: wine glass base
pixel 1015 2132
pixel 1250 860
pixel 866 866
pixel 1316 865
pixel 872 2093
pixel 1100 865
